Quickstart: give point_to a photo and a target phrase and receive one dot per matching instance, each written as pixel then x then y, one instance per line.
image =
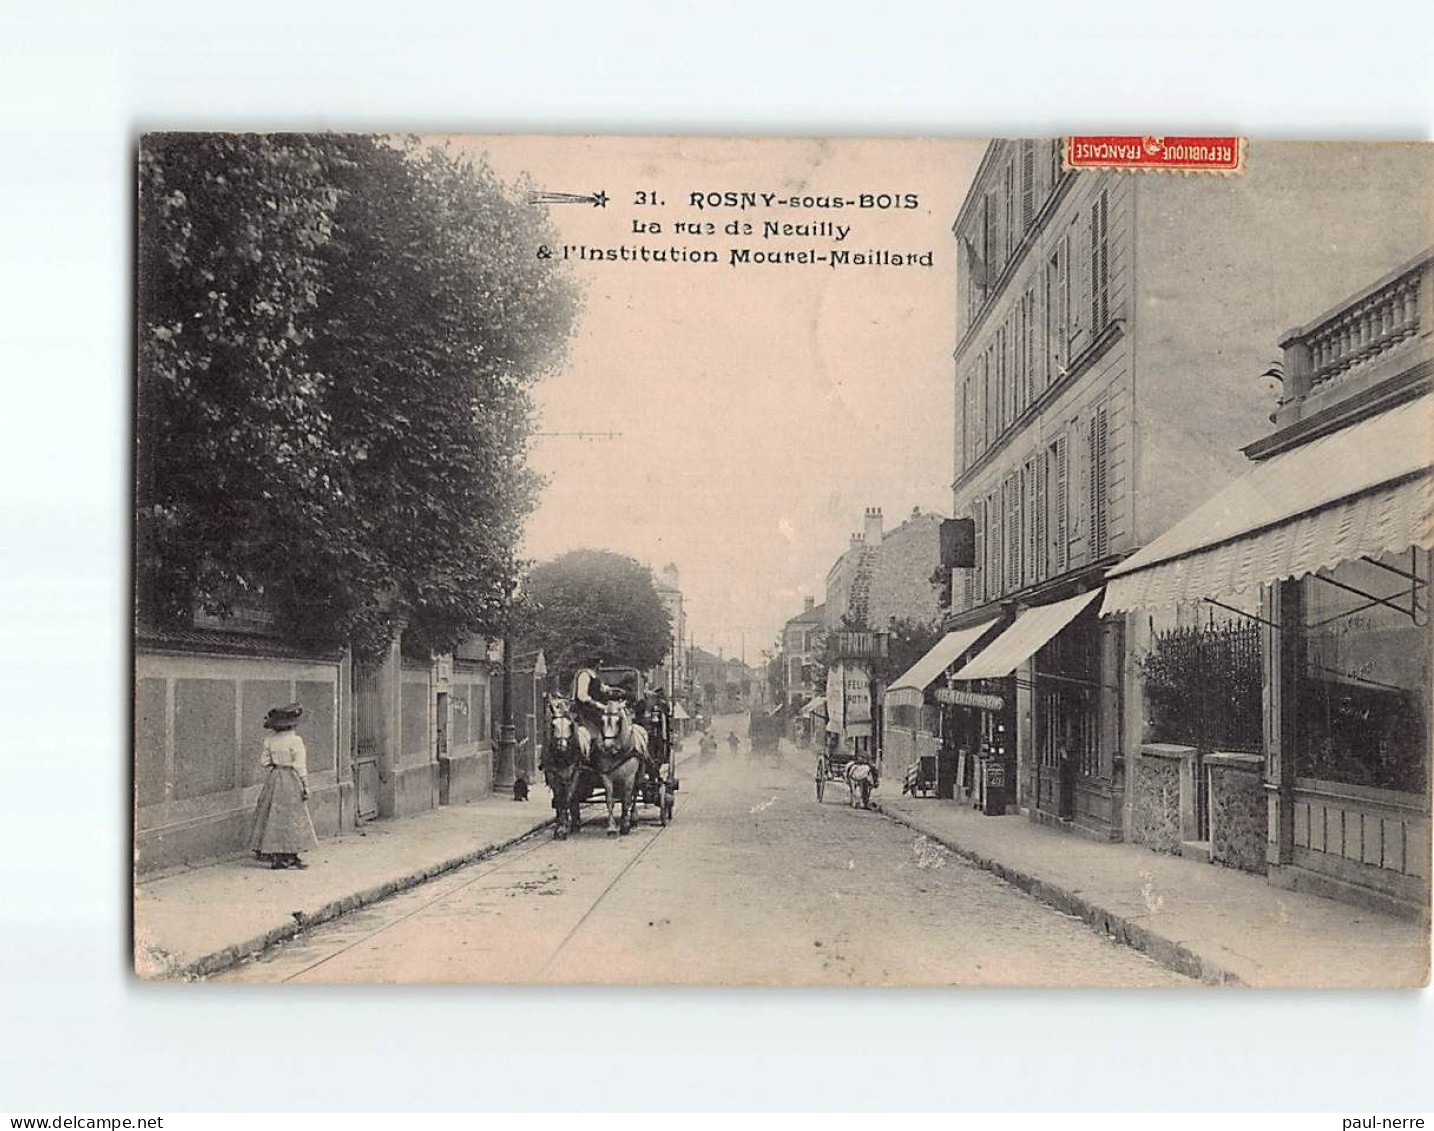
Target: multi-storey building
pixel 671 674
pixel 801 646
pixel 1109 348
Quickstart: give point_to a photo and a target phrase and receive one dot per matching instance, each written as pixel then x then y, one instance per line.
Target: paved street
pixel 753 883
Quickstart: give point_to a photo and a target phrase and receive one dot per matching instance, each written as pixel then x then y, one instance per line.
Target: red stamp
pixel 1157 154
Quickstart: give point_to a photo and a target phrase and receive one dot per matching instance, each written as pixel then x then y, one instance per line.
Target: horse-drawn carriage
pixel 629 760
pixel 831 763
pixel 765 732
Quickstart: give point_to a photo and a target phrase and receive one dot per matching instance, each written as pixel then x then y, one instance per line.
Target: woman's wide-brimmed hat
pixel 283 718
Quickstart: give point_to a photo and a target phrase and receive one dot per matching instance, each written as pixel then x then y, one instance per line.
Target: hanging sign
pixel 957 698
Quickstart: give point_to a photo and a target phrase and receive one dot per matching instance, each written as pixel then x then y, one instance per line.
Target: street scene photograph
pixel 617 560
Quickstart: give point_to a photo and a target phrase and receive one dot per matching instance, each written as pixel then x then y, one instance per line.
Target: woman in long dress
pixel 282 825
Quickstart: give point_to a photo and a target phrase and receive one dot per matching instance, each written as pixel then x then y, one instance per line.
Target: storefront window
pixel 1364 700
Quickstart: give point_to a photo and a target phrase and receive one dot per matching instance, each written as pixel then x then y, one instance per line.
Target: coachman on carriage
pixel 612 740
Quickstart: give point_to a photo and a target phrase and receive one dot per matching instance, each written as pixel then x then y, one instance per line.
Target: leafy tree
pixel 594 602
pixel 338 340
pixel 907 641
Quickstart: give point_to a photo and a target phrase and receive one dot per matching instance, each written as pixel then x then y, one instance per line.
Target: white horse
pixel 859 781
pixel 620 752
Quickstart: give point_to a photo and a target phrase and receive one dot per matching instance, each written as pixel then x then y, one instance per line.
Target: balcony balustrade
pixel 1363 333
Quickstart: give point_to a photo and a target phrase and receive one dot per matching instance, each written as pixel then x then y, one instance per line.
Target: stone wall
pixel 1155 800
pixel 901 578
pixel 1238 815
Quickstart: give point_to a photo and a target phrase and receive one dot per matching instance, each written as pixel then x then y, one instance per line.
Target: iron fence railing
pixel 1203 687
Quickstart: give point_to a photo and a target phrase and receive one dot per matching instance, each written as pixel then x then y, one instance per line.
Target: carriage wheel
pixel 821 786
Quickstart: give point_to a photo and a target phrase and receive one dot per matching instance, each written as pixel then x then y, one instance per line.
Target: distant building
pixel 671 674
pixel 801 645
pixel 723 686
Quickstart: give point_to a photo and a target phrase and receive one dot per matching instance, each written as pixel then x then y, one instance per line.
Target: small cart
pixel 920 778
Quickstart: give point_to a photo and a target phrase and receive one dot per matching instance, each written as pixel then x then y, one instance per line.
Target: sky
pixel 761 408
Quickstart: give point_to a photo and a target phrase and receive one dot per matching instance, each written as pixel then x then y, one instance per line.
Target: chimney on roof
pixel 856 539
pixel 808 604
pixel 872 530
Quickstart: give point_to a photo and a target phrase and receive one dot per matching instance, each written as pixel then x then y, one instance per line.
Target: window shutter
pixel 1103 315
pixel 1028 184
pixel 1038 514
pixel 1095 268
pixel 1062 534
pixel 993 545
pixel 1012 233
pixel 1099 531
pixel 1013 532
pixel 1031 345
pixel 1092 498
pixel 974 593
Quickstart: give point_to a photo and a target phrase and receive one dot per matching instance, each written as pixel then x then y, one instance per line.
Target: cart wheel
pixel 821 787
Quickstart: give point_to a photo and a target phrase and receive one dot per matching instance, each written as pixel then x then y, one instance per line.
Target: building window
pixel 996 256
pixel 1099 467
pixel 1055 330
pixel 1002 381
pixel 1068 323
pixel 1363 699
pixel 993 397
pixel 1012 231
pixel 1099 265
pixel 1056 171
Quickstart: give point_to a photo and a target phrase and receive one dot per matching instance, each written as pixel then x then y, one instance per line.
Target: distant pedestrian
pixel 282 825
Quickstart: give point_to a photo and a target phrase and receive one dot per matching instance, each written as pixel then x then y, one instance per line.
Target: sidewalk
pixel 201 920
pixel 1209 922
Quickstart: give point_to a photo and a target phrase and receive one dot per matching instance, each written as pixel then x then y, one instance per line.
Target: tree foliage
pixel 906 642
pixel 337 344
pixel 589 603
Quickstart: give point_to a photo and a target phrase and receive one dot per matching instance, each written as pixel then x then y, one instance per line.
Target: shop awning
pixel 1032 629
pixel 815 707
pixel 1362 491
pixel 908 689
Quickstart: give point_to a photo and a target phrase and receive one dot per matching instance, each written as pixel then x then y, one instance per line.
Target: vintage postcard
pixel 657 560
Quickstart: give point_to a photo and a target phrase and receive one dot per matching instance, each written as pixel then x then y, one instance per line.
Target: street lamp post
pixel 503 772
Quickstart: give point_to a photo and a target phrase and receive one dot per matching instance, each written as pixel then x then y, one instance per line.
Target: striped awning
pixel 1032 629
pixel 908 689
pixel 1363 491
pixel 816 706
